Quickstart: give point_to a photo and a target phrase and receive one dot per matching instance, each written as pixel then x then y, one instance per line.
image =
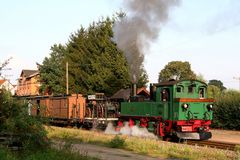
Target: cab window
pixel 179 89
pixel 165 95
pixel 190 89
pixel 201 92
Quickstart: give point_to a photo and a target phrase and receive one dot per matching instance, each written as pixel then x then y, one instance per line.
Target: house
pixel 124 94
pixel 28 83
pixel 5 84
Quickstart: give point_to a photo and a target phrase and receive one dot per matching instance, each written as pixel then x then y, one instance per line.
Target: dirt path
pixel 105 153
pixel 225 136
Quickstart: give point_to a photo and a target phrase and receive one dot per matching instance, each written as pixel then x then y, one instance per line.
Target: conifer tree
pixel 52 71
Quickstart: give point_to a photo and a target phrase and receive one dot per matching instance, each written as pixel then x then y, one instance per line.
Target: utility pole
pixel 237 78
pixel 67 78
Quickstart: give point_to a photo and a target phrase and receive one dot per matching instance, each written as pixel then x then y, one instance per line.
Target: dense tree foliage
pixel 226 107
pixel 143 78
pixel 217 83
pixel 95 63
pixel 213 92
pixel 52 71
pixel 176 70
pixel 200 77
pixel 227 111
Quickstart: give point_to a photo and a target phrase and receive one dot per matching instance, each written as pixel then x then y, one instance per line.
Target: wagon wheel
pixel 167 138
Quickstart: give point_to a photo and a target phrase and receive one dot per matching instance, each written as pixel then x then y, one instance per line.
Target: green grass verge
pixel 156 148
pixel 46 154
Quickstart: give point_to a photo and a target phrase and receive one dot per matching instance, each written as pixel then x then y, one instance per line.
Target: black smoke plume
pixel 135 32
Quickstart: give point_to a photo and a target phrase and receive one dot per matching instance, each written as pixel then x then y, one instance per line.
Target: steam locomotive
pixel 178 109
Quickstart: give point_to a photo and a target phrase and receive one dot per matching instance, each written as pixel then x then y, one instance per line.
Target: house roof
pixel 125 93
pixel 29 73
pixel 2 81
pixel 143 91
pixel 122 94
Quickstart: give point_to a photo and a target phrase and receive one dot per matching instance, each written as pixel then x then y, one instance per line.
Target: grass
pixel 63 153
pixel 117 142
pixel 156 148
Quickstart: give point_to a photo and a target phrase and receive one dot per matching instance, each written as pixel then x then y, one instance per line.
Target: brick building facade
pixel 28 83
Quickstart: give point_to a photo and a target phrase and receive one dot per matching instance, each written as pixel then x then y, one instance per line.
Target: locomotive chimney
pixel 134 90
pixel 152 91
pixel 134 86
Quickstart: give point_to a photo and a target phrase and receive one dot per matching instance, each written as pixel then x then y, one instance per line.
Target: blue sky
pixel 205 33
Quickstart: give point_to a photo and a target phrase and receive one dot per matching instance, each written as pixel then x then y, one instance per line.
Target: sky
pixel 204 33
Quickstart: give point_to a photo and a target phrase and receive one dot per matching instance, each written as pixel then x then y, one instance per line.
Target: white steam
pixel 110 129
pixel 130 131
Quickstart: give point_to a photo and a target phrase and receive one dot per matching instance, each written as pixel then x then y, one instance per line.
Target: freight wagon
pixel 74 110
pixel 66 110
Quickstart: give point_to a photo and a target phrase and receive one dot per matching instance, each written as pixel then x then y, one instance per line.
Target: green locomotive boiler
pixel 176 109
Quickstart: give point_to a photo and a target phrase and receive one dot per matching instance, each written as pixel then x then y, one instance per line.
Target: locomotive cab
pixel 189 108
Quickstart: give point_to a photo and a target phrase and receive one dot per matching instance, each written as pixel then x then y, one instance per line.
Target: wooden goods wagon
pixel 60 109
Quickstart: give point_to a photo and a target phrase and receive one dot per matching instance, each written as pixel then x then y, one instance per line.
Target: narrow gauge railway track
pixel 213 144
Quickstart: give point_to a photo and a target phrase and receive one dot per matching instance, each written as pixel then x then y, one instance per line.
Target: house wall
pixel 28 86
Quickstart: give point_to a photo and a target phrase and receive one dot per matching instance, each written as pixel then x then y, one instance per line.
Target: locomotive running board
pixel 194 136
pixel 182 135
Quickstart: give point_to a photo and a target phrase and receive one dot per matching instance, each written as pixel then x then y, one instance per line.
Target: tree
pixel 200 77
pixel 213 92
pixel 217 83
pixel 143 79
pixel 96 64
pixel 4 64
pixel 27 131
pixel 52 71
pixel 226 111
pixel 176 70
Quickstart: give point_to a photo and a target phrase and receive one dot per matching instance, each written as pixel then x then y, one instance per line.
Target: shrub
pixel 28 131
pixel 227 111
pixel 6 155
pixel 117 142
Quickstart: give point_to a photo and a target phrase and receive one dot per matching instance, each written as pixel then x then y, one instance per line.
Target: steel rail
pixel 213 144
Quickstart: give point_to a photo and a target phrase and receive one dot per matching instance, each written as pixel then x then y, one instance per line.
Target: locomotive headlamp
pixel 210 107
pixel 185 106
